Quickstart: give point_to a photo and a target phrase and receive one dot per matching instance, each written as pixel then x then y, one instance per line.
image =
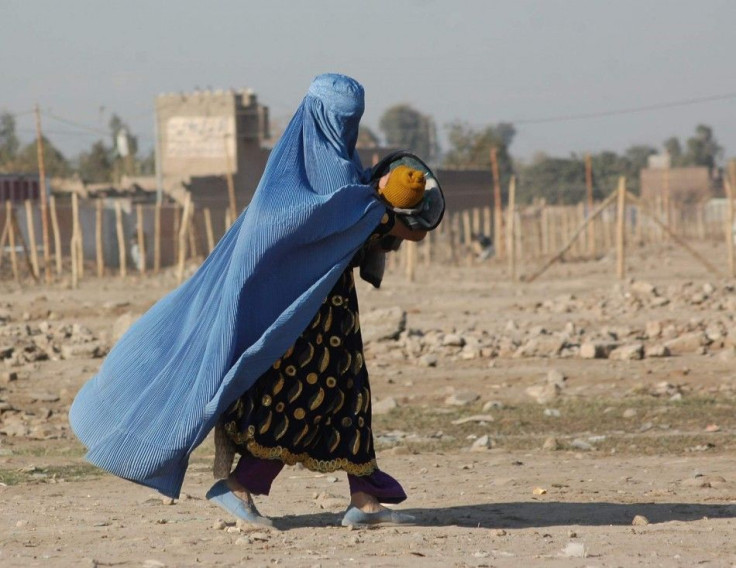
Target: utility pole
pixel 42 191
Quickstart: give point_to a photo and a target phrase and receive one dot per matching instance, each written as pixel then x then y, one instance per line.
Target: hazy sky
pixel 478 61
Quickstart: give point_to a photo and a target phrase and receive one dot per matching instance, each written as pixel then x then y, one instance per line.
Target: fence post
pixel 510 226
pixel 141 238
pixel 31 237
pixel 57 236
pixel 120 231
pixel 620 218
pixel 99 245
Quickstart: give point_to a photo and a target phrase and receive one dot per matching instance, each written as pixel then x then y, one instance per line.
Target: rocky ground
pixel 574 421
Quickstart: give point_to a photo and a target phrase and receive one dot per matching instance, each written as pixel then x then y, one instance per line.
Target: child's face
pixel 383 181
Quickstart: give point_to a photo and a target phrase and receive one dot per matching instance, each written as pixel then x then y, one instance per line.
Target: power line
pixel 631 110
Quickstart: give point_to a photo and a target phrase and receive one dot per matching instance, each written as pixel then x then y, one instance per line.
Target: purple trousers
pixel 257 475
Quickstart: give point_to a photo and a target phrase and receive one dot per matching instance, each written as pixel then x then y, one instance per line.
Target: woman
pixel 207 350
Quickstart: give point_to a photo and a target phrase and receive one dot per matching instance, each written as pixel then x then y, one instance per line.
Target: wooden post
pixel 476 221
pixel 510 225
pixel 32 237
pixel 580 219
pixel 589 198
pixel 411 260
pixel 42 195
pixel 176 225
pixel 99 245
pixel 3 239
pixel 192 232
pixel 497 212
pixel 183 239
pixel 57 237
pixel 73 245
pixel 620 218
pixel 9 218
pixel 487 223
pixel 79 241
pixel 141 239
pixel 467 231
pixel 228 220
pixel 120 231
pixel 208 230
pixel 545 229
pixel 230 184
pixel 157 238
pixel 666 198
pixel 729 226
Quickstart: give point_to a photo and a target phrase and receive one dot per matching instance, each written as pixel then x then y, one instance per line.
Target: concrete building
pixel 206 134
pixel 685 185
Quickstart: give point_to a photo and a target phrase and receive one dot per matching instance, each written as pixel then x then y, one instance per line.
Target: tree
pixel 9 142
pixel 557 180
pixel 674 149
pixel 95 166
pixel 471 148
pixel 367 138
pixel 55 163
pixel 405 127
pixel 702 149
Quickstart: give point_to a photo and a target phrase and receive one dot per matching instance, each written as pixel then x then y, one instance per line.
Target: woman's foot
pixel 366 503
pixel 365 510
pixel 237 500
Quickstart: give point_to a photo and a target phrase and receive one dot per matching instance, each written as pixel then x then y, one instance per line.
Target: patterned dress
pixel 313 406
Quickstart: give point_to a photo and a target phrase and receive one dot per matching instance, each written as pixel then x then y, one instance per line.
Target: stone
pixel 384 405
pixel 543 346
pixel 688 343
pixel 427 360
pixel 640 521
pixel 552 412
pixel 574 550
pixel 474 418
pixel 543 394
pixel 631 352
pixel 556 377
pixel 382 324
pixel 644 288
pixel 453 340
pixel 481 444
pixel 88 350
pixel 596 350
pixel 629 413
pixel 582 445
pixel 655 351
pixel 551 445
pixel 8 377
pixel 462 398
pixel 653 329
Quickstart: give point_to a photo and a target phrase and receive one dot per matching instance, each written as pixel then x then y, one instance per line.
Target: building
pixel 19 187
pixel 206 135
pixel 693 184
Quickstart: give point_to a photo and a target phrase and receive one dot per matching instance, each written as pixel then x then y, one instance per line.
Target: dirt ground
pixel 631 463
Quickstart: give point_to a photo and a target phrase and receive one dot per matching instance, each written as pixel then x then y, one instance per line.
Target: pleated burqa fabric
pixel 164 385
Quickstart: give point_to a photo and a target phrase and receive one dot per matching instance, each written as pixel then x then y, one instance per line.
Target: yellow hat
pixel 404 188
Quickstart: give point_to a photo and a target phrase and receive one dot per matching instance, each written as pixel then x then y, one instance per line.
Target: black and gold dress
pixel 313 406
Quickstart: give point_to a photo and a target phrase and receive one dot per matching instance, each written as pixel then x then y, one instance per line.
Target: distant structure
pixel 203 136
pixel 19 187
pixel 692 184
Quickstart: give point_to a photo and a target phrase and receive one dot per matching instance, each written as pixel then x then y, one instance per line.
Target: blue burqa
pixel 164 385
